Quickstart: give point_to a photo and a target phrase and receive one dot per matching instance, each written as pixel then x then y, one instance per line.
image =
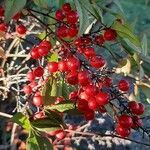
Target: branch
pixel 5 115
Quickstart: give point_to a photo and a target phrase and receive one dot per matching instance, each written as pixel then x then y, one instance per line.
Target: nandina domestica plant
pixel 75 69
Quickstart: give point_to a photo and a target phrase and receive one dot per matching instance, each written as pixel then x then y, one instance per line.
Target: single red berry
pixel 43 50
pixel 3 27
pixel 83 78
pixel 72 31
pixel 59 15
pixel 21 29
pixel 84 96
pixel 39 71
pixel 124 132
pixel 141 109
pixel 37 100
pixel 27 89
pixel 52 67
pixel 80 49
pixel 92 104
pixel 62 31
pixel 99 39
pixel 1 11
pixel 30 76
pixel 78 42
pixel 97 62
pixel 123 85
pixel 17 16
pixel 60 135
pixel 90 90
pixel 62 66
pixel 89 115
pixel 72 17
pixel 107 82
pixel 89 52
pixel 125 121
pixel 73 96
pixel 73 63
pixel 72 78
pixel 66 7
pixel 34 53
pixel 59 99
pixel 134 107
pixel 102 98
pixel 86 40
pixel 110 34
pixel 46 44
pixel 137 122
pixel 82 105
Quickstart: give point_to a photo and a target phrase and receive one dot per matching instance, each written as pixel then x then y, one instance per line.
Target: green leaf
pixel 124 31
pixel 46 124
pixel 38 142
pixel 145 89
pixel 119 5
pixel 63 106
pixel 12 7
pixel 42 35
pixel 42 3
pixel 144 45
pixel 49 91
pixel 83 17
pixel 22 120
pixel 53 57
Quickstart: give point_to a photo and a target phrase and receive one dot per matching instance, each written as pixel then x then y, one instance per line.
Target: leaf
pixel 145 89
pixel 63 106
pixel 49 91
pixel 46 124
pixel 38 142
pixel 119 5
pixel 42 35
pixel 22 120
pixel 144 45
pixel 83 17
pixel 42 3
pixel 53 57
pixel 124 31
pixel 12 7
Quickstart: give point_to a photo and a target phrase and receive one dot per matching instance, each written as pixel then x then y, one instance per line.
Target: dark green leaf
pixel 22 120
pixel 144 45
pixel 12 7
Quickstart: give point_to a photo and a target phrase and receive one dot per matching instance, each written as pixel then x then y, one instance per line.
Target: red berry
pixel 43 50
pixel 72 78
pixel 27 89
pixel 17 16
pixel 46 44
pixel 102 98
pixel 3 27
pixel 83 78
pixel 60 135
pixel 110 34
pixel 1 11
pixel 141 109
pixel 39 71
pixel 84 96
pixel 30 76
pixel 90 90
pixel 62 31
pixel 59 99
pixel 62 66
pixel 89 52
pixel 66 7
pixel 124 132
pixel 82 105
pixel 21 29
pixel 89 115
pixel 92 104
pixel 97 62
pixel 34 53
pixel 136 122
pixel 72 17
pixel 134 107
pixel 107 82
pixel 73 63
pixel 125 121
pixel 53 133
pixel 59 15
pixel 73 95
pixel 123 85
pixel 72 31
pixel 77 42
pixel 86 40
pixel 52 67
pixel 33 84
pixel 37 100
pixel 99 39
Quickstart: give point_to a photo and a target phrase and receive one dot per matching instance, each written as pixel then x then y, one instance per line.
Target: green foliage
pixel 12 7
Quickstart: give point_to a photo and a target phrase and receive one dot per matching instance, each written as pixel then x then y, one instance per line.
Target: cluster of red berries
pixel 68 19
pixel 20 29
